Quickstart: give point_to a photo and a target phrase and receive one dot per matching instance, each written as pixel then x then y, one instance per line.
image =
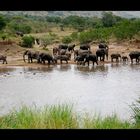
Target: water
pixel 103 89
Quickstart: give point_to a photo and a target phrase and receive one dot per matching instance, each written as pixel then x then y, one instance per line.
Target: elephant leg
pixel 88 63
pixel 83 62
pixel 103 58
pixel 61 61
pixel 131 60
pixel 43 61
pixel 96 62
pixel 31 60
pixel 137 60
pixel 93 63
pixel 111 59
pixel 107 56
pixel 49 62
pixel 97 57
pixel 28 59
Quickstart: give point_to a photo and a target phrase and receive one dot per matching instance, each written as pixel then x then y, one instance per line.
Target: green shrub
pixel 127 29
pixel 95 34
pixel 27 41
pixel 48 39
pixel 74 35
pixel 20 27
pixel 2 22
pixel 67 39
pixel 3 36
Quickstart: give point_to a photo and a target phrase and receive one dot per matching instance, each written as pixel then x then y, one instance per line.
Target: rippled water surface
pixel 103 89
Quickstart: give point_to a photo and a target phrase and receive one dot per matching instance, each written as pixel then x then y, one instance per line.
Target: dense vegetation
pixel 86 29
pixel 63 116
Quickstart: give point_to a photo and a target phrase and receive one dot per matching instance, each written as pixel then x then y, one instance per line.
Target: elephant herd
pixel 82 55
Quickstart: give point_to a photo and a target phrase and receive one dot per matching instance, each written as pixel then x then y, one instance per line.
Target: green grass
pixel 109 122
pixel 47 117
pixel 60 117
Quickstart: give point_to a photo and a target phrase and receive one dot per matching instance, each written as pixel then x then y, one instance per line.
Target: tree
pixel 108 19
pixel 2 22
pixel 20 27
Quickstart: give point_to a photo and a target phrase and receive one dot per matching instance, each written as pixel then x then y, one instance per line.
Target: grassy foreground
pixel 60 117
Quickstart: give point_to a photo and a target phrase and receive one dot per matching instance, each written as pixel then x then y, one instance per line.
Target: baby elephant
pixel 79 59
pixel 3 57
pixel 115 56
pixel 124 58
pixel 61 58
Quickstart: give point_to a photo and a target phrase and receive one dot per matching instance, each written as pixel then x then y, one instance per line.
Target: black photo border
pixel 69 5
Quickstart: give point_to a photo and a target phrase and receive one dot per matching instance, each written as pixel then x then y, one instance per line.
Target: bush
pixel 136 113
pixel 74 36
pixel 27 41
pixel 127 29
pixel 20 27
pixel 85 37
pixel 96 34
pixel 48 39
pixel 2 22
pixel 66 40
pixel 4 36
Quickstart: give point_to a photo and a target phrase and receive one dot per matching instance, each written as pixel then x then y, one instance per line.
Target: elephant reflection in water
pixel 101 68
pixel 65 67
pixel 114 65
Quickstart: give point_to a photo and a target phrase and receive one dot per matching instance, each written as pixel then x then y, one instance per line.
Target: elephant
pixel 124 58
pixel 37 41
pixel 80 51
pixel 62 52
pixel 56 50
pixel 68 54
pixel 19 33
pixel 4 58
pixel 85 47
pixel 45 56
pixel 31 55
pixel 101 53
pixel 103 46
pixel 75 53
pixel 61 58
pixel 71 47
pixel 115 56
pixel 79 59
pixel 91 57
pixel 63 46
pixel 134 55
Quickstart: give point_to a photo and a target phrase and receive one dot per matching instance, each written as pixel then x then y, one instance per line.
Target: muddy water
pixel 103 89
